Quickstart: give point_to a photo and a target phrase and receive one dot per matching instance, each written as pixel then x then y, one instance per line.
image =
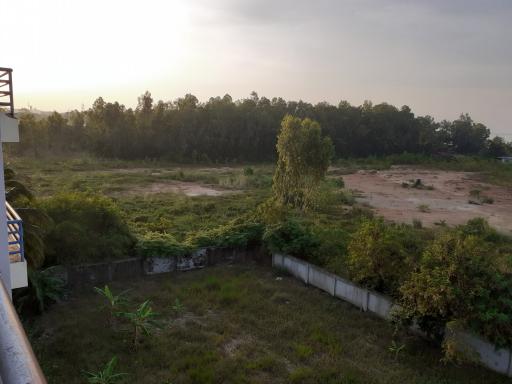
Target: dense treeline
pixel 223 130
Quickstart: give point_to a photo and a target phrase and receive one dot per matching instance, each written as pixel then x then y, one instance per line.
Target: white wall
pixel 499 360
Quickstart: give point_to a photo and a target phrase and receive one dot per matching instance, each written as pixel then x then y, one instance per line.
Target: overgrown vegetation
pixel 239 325
pixel 86 228
pixel 304 214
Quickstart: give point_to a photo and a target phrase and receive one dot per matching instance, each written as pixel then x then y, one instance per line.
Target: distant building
pixel 505 159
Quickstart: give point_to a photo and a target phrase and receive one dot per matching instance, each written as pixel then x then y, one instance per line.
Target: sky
pixel 441 58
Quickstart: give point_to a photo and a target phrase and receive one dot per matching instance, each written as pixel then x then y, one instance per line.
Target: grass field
pixel 131 185
pixel 238 325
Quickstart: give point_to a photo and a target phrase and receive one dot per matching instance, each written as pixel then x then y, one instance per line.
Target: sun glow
pixel 82 46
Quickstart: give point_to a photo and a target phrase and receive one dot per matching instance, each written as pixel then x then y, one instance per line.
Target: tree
pixel 456 281
pixel 224 130
pixel 467 137
pixel 378 258
pixel 498 147
pixel 303 158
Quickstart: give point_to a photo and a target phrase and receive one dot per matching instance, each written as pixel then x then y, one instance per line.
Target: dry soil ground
pixel 448 201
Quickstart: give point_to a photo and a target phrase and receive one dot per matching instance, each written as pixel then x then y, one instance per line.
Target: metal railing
pixel 6 90
pixel 15 234
pixel 18 364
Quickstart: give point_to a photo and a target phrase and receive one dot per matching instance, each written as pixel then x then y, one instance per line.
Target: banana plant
pixel 106 375
pixel 142 320
pixel 114 301
pixel 178 306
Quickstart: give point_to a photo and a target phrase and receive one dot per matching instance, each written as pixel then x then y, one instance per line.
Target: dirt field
pixel 447 201
pixel 187 188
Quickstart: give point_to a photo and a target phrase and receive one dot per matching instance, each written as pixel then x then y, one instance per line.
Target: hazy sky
pixel 439 57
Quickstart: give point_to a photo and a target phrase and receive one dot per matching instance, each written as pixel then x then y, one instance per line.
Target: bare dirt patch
pixel 185 187
pixel 447 202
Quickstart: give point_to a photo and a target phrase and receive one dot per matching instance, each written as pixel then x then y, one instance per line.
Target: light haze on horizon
pixel 441 58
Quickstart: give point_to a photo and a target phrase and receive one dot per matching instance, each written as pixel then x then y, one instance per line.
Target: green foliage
pixel 224 130
pixel 239 233
pixel 260 336
pixel 107 375
pixel 160 245
pixel 476 197
pixel 248 171
pixel 328 197
pixel 480 227
pixel 457 281
pixel 178 306
pixel 303 158
pixel 425 208
pixel 142 320
pixel 291 237
pixel 396 348
pixel 44 289
pixel 35 220
pixel 379 257
pixel 115 302
pixel 87 228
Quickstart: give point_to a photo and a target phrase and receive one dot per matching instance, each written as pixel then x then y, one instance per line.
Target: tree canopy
pixel 225 130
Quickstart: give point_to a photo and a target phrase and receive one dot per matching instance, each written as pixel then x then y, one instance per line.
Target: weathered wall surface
pixel 85 276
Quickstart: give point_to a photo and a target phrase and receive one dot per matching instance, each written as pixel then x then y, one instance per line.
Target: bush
pixel 328 197
pixel 160 245
pixel 380 256
pixel 239 233
pixel 292 238
pixel 481 228
pixel 248 171
pixel 87 228
pixel 457 282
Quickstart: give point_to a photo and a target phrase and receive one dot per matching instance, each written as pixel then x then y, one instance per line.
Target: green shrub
pixel 87 228
pixel 248 171
pixel 378 256
pixel 239 233
pixel 481 228
pixel 160 245
pixel 456 281
pixel 339 182
pixel 292 238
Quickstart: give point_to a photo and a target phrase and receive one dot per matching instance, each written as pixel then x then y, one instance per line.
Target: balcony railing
pixel 15 235
pixel 6 94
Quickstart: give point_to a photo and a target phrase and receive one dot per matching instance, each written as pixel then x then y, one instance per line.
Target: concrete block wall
pixel 496 359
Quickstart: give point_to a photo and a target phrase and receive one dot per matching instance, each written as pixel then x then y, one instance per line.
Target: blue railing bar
pixel 15 228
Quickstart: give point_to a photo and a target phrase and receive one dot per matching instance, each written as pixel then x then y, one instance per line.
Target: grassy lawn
pixel 239 324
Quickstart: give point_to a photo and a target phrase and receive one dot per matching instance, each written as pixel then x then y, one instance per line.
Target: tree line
pixel 224 130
